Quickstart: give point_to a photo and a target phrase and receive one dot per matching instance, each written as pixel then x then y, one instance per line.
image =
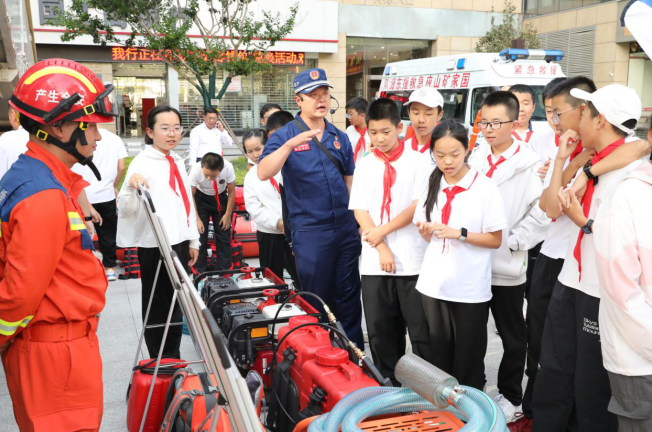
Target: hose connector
pixel 329 314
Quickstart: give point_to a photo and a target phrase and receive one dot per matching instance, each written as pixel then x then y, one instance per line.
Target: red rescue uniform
pixel 52 289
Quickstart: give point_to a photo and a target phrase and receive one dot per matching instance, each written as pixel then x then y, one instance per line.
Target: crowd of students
pixel 450 233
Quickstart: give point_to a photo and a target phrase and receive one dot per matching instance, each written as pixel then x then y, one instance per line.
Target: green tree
pixel 500 36
pixel 231 38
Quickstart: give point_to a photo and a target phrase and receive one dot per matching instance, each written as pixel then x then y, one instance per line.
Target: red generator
pixel 311 375
pixel 139 389
pixel 239 199
pixel 244 231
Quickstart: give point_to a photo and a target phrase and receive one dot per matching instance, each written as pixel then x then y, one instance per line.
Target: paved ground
pixel 118 332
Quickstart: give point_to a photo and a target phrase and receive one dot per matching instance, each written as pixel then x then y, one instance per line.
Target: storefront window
pixel 241 105
pixel 541 7
pixel 367 57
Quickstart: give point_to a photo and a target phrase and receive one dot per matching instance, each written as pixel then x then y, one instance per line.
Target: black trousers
pixel 571 372
pixel 459 334
pixel 158 314
pixel 544 277
pixel 532 256
pixel 107 231
pixel 207 209
pixel 507 310
pixel 276 254
pixel 392 303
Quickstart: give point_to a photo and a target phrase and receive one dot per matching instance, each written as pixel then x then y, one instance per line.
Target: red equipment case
pixel 244 231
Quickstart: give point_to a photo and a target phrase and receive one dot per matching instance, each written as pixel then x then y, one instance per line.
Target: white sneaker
pixel 508 408
pixel 110 274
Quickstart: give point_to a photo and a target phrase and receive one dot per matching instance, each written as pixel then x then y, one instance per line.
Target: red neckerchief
pixel 361 143
pixel 275 185
pixel 217 196
pixel 527 136
pixel 176 176
pixel 415 145
pixel 557 140
pixel 500 160
pixel 389 177
pixel 450 196
pixel 577 150
pixel 588 197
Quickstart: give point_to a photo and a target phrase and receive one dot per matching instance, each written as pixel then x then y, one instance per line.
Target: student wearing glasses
pixel 162 171
pixel 513 167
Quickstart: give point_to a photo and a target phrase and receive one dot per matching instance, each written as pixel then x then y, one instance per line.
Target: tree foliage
pixel 230 38
pixel 500 36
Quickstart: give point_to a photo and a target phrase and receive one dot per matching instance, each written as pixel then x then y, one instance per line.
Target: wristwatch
pixel 464 234
pixel 588 228
pixel 88 218
pixel 589 174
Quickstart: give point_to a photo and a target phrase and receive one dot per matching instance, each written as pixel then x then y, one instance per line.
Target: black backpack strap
pixel 280 386
pixel 315 406
pixel 321 147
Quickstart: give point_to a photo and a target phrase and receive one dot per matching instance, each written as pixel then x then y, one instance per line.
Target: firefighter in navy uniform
pixel 52 287
pixel 325 238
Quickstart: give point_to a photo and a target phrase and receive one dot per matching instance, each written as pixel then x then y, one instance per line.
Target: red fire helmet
pixel 58 89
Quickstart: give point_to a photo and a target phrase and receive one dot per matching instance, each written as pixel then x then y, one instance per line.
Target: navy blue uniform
pixel 325 237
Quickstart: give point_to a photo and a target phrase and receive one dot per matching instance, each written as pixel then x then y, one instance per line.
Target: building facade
pixel 351 39
pixel 596 44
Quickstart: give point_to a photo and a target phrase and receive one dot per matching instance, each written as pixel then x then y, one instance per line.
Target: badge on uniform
pixel 302 147
pixel 337 144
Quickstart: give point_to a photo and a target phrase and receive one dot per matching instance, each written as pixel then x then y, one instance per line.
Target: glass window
pixel 455 104
pixel 478 96
pixel 541 7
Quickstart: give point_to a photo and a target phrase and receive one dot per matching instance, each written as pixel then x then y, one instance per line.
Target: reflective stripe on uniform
pixel 76 222
pixel 9 328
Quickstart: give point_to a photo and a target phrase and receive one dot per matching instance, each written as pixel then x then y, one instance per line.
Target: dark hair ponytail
pixel 151 118
pixel 253 133
pixel 446 128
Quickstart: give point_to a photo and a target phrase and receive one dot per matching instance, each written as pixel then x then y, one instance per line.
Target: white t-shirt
pixel 570 275
pixel 263 201
pixel 542 142
pixel 110 150
pixel 555 245
pixel 367 194
pixel 454 270
pixel 204 140
pixel 197 179
pixel 12 145
pixel 354 136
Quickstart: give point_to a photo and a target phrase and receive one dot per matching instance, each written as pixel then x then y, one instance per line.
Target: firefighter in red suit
pixel 52 287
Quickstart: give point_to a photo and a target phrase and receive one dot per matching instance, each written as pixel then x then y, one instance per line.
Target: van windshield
pixel 480 93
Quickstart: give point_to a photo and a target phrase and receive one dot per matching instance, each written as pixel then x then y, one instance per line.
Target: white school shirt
pixel 520 187
pixel 542 142
pixel 623 241
pixel 133 224
pixel 110 150
pixel 12 145
pixel 205 186
pixel 426 155
pixel 555 245
pixel 204 140
pixel 263 201
pixel 354 136
pixel 367 194
pixel 454 270
pixel 570 275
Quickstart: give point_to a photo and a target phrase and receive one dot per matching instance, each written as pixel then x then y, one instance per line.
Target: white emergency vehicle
pixel 464 80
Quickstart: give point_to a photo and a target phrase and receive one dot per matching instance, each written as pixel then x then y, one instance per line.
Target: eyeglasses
pixel 348 116
pixel 166 130
pixel 494 124
pixel 554 118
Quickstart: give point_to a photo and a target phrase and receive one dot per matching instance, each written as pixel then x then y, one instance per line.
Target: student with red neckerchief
pixel 426 109
pixel 461 216
pixel 356 110
pixel 161 170
pixel 386 186
pixel 571 355
pixel 513 167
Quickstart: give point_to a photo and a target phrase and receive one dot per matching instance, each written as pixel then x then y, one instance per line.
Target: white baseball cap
pixel 616 102
pixel 427 96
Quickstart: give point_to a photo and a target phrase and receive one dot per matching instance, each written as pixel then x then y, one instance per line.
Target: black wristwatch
pixel 88 218
pixel 588 228
pixel 464 235
pixel 589 174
